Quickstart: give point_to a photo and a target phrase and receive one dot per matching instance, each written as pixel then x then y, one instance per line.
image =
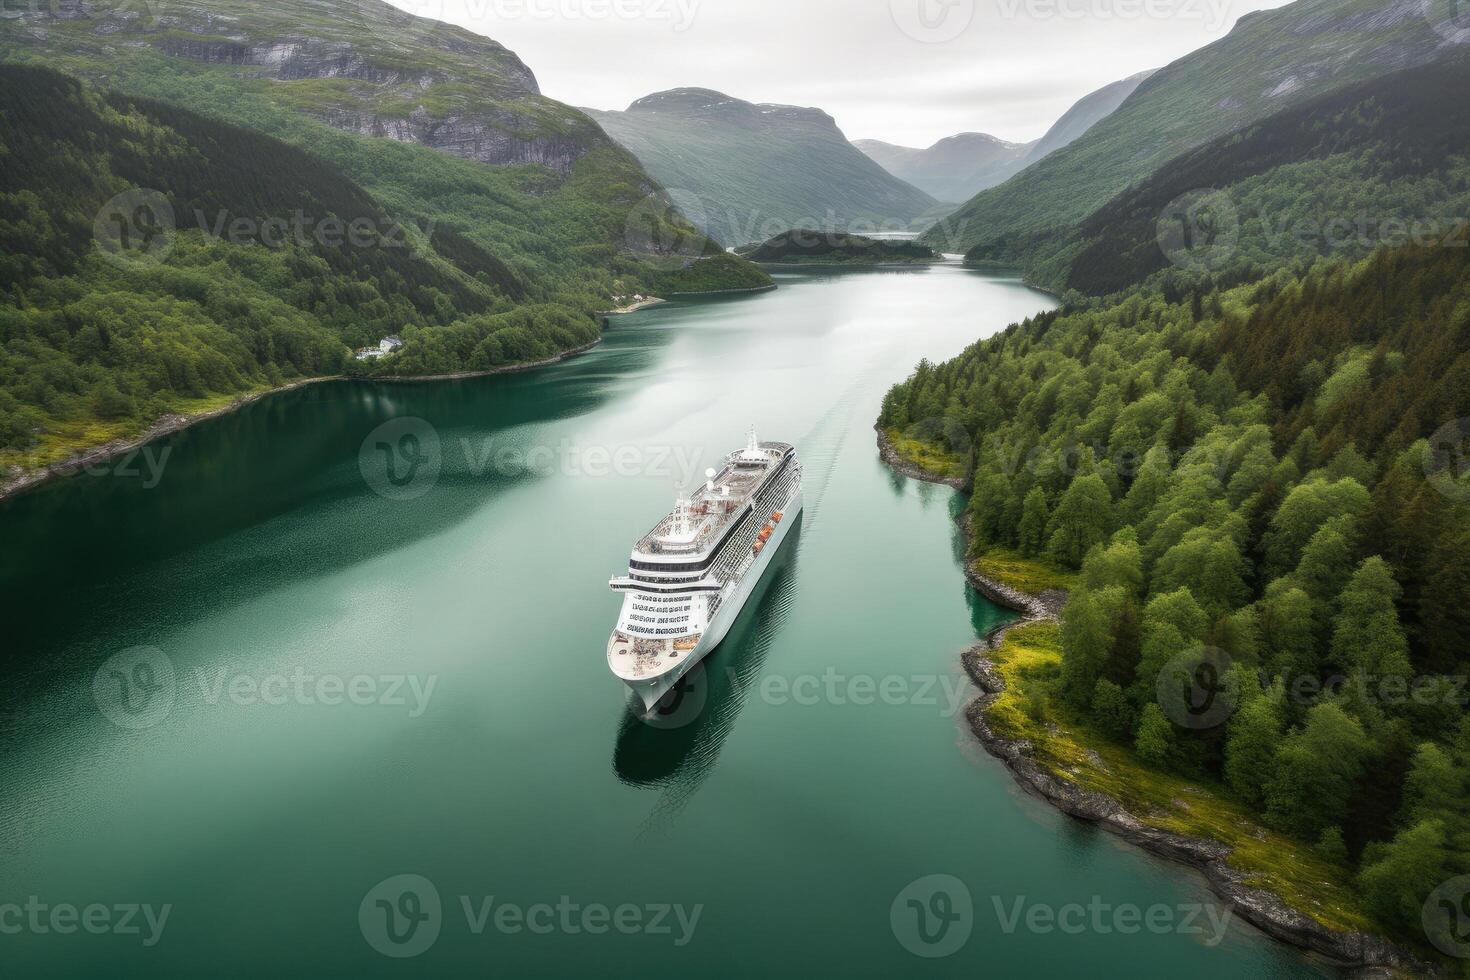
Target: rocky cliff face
pixel 487 138
pixel 472 97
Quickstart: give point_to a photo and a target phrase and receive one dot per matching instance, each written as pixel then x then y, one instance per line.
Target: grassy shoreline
pixel 1070 749
pixel 1023 661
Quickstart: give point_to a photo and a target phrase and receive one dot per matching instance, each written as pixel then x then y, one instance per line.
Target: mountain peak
pixel 974 140
pixel 694 102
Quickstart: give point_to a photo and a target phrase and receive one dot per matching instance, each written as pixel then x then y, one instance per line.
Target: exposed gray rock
pixel 486 138
pixel 495 133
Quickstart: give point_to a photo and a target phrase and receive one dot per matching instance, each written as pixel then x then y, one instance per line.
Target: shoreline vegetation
pixel 93 454
pixel 805 247
pixel 1278 885
pixel 695 293
pixel 95 444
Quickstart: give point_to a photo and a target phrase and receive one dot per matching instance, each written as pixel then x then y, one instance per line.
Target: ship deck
pixel 637 658
pixel 714 505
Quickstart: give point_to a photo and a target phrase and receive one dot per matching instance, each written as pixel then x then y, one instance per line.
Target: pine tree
pixel 1315 772
pixel 1250 748
pixel 1083 519
pixel 1368 637
pixel 1111 710
pixel 1034 517
pixel 1155 742
pixel 1404 872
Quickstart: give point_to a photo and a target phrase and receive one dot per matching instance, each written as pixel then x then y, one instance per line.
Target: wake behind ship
pixel 690 576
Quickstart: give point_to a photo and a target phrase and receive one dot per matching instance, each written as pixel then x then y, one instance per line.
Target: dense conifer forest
pixel 1266 478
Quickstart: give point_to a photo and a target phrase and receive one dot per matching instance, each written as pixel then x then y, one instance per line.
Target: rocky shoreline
pixel 1363 954
pixel 898 464
pixel 633 307
pixel 727 292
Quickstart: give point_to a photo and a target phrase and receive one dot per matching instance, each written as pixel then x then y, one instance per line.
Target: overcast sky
pixel 905 71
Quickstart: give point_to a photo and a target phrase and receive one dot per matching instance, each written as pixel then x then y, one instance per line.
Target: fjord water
pixel 822 766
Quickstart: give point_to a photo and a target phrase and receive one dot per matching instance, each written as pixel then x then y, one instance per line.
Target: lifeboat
pixel 766 532
pixel 759 545
pixel 776 517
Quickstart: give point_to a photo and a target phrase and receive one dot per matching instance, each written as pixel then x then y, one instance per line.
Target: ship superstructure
pixel 689 577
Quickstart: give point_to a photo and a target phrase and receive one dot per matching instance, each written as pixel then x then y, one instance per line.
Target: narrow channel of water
pixel 827 768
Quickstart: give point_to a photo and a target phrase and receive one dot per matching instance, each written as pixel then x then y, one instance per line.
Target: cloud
pixel 1011 72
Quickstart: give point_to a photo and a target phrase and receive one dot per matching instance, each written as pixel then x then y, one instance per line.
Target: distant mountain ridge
pixel 745 171
pixel 1374 163
pixel 1088 111
pixel 954 169
pixel 957 168
pixel 1268 62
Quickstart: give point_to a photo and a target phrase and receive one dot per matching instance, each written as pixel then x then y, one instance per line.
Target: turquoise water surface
pixel 262 678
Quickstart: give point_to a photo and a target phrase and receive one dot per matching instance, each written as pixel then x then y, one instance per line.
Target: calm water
pixel 786 799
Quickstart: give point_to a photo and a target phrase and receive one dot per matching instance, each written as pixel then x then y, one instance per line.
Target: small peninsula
pixel 837 248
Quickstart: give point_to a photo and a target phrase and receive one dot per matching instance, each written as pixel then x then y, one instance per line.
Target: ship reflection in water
pixel 673 748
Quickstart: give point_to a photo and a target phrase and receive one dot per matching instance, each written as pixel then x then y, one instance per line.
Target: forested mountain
pixel 524 208
pixel 954 169
pixel 1088 111
pixel 744 172
pixel 1270 61
pixel 1268 478
pixel 1380 162
pixel 959 167
pixel 150 254
pixel 436 122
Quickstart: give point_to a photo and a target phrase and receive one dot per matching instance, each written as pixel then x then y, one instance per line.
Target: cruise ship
pixel 689 577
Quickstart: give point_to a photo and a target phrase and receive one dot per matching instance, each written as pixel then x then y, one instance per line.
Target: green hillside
pixel 1270 61
pixel 1380 162
pixel 746 172
pixel 1268 478
pixel 246 263
pixel 437 123
pixel 1086 113
pixel 507 214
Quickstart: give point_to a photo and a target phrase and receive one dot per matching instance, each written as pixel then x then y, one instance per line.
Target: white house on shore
pixel 388 345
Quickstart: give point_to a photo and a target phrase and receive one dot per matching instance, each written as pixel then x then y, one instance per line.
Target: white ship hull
pixel 653 690
pixel 691 576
